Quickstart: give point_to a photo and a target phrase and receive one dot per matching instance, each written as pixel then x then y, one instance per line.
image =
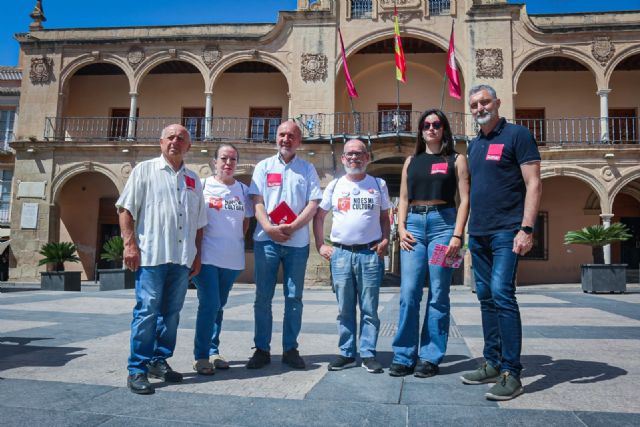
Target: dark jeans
pixel 495 265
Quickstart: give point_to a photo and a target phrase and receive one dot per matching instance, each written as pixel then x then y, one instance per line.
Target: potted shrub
pixel 600 277
pixel 55 254
pixel 115 278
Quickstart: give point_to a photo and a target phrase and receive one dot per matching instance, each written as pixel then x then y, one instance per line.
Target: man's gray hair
pixel 477 88
pixel 356 140
pixel 165 131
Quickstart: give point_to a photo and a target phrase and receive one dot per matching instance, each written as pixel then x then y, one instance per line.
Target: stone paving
pixel 63 362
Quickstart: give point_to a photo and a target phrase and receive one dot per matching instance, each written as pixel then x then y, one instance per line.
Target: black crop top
pixel 432 177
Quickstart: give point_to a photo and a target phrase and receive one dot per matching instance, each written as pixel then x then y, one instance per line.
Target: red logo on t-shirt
pixel 439 168
pixel 190 182
pixel 274 180
pixel 344 204
pixel 495 152
pixel 215 203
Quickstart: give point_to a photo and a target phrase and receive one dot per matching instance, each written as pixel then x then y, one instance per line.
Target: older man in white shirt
pixel 359 204
pixel 162 213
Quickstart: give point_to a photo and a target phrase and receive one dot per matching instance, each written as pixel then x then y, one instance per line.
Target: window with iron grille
pixel 264 123
pixel 394 118
pixel 193 121
pixel 439 7
pixel 361 9
pixel 540 249
pixel 533 119
pixel 7 119
pixel 6 177
pixel 623 124
pixel 119 123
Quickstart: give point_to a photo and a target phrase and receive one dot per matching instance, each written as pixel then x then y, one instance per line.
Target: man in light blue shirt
pixel 290 179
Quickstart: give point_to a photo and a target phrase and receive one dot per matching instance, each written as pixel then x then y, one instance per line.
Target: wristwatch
pixel 526 229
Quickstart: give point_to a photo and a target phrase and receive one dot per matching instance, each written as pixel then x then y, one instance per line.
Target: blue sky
pixel 115 13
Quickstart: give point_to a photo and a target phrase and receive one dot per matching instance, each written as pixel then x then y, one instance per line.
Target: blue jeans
pixel 494 266
pixel 356 279
pixel 268 257
pixel 214 284
pixel 428 229
pixel 160 292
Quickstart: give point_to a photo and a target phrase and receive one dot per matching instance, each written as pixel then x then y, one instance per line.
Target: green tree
pixel 598 236
pixel 57 253
pixel 113 250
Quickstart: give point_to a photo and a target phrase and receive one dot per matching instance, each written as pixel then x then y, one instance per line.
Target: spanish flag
pixel 401 65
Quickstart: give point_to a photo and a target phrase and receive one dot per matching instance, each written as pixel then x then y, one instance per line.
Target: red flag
pixel 401 65
pixel 452 70
pixel 350 86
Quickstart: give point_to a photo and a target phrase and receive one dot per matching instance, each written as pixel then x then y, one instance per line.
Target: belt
pixel 355 248
pixel 428 208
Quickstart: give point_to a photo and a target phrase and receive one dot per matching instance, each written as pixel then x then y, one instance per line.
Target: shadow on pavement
pixel 553 372
pixel 15 352
pixel 556 372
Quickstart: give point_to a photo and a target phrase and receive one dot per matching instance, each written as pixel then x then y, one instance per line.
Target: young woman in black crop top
pixel 427 216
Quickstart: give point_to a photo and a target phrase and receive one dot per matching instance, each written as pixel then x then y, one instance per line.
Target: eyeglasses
pixel 354 154
pixel 434 125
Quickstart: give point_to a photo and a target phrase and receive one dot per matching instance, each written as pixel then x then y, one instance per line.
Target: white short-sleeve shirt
pixel 227 206
pixel 356 209
pixel 167 208
pixel 295 182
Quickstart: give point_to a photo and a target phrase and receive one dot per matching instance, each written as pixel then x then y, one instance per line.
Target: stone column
pixel 604 114
pixel 133 109
pixel 208 115
pixel 606 221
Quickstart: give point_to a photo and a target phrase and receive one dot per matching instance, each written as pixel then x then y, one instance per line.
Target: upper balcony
pixel 371 126
pixel 371 9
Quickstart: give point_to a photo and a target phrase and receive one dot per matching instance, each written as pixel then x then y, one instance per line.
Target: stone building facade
pixel 93 103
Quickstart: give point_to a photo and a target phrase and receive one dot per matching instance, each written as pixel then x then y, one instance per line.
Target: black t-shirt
pixel 497 186
pixel 432 177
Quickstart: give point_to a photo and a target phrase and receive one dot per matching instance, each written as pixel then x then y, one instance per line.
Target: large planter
pixel 112 279
pixel 604 278
pixel 60 281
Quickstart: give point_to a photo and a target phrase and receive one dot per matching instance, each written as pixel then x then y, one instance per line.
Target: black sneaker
pixel 425 369
pixel 341 362
pixel 160 369
pixel 259 359
pixel 399 370
pixel 139 384
pixel 293 359
pixel 372 365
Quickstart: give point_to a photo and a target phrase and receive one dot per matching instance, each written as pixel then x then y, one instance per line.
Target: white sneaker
pixel 218 361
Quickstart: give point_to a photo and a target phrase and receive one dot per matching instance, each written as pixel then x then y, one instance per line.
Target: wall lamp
pixel 31 150
pixel 609 155
pixel 125 150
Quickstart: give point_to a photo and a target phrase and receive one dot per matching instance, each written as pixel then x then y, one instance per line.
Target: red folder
pixel 282 214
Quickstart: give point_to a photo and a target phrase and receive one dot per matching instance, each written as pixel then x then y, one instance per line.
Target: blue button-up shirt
pixel 295 182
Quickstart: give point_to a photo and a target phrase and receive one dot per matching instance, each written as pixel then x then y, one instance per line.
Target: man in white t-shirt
pixel 360 236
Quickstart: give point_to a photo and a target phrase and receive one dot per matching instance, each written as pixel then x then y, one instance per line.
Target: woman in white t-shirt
pixel 228 209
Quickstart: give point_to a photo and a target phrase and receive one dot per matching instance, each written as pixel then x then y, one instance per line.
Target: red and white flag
pixel 452 70
pixel 350 86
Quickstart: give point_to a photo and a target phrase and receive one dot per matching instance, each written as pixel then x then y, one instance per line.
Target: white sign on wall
pixel 32 189
pixel 29 217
